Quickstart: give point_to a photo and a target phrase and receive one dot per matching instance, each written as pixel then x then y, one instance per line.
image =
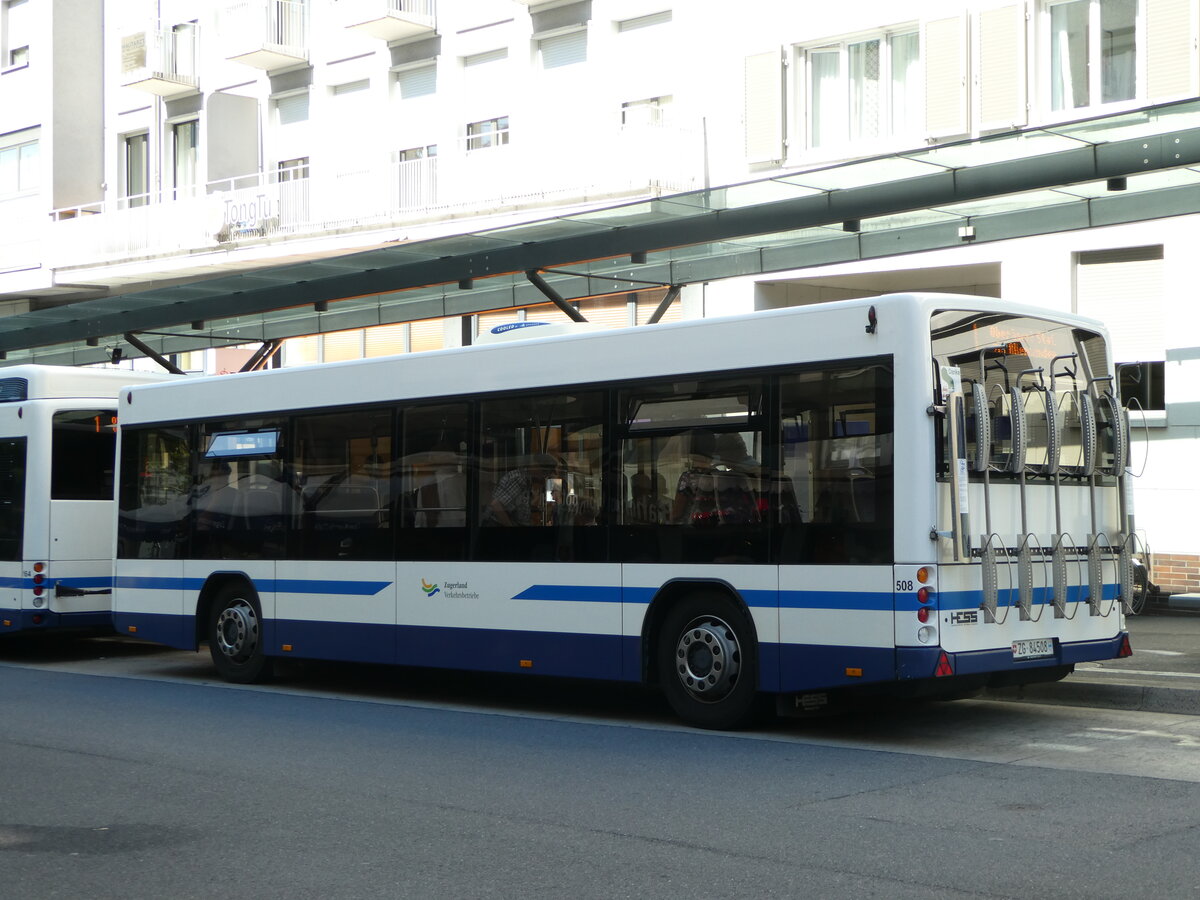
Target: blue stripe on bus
pixel 840 600
pixel 266 585
pixel 571 593
pixel 1041 595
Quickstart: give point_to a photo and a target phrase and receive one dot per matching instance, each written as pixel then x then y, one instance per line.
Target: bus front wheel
pixel 235 637
pixel 707 662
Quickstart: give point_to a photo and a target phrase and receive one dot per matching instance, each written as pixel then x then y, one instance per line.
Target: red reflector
pixel 923 614
pixel 943 667
pixel 37 620
pixel 1126 648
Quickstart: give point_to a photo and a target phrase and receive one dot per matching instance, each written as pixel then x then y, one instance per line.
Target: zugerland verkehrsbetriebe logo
pixel 454 590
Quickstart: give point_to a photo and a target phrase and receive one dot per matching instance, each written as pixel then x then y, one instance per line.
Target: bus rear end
pixel 1035 534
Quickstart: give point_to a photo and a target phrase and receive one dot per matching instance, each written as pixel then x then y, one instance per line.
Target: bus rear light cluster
pixel 924 598
pixel 39 585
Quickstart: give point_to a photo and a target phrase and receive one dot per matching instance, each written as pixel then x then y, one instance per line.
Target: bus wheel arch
pixel 230 614
pixel 701 648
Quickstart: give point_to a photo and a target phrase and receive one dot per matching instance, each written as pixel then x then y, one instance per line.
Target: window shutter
pixel 944 52
pixel 1170 39
pixel 1124 290
pixel 292 109
pixel 764 107
pixel 563 49
pixel 428 334
pixel 418 82
pixel 384 340
pixel 1002 95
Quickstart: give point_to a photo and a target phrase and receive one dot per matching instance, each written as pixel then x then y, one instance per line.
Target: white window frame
pixel 186 190
pixel 1095 102
pixel 497 136
pixel 18 152
pixel 802 140
pixel 14 51
pixel 128 197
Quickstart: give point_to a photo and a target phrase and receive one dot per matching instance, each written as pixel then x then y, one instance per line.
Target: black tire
pixel 235 636
pixel 707 661
pixel 1141 589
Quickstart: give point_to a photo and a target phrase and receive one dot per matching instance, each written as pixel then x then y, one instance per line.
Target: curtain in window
pixel 1117 49
pixel 1069 55
pixel 865 101
pixel 907 105
pixel 827 103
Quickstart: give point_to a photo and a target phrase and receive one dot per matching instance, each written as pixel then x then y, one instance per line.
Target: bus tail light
pixel 923 614
pixel 1126 648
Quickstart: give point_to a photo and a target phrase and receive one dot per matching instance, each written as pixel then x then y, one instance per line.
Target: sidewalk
pixel 1163 675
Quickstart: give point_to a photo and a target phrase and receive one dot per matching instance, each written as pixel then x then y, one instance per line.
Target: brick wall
pixel 1176 573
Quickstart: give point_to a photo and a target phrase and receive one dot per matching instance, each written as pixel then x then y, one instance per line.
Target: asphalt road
pixel 138 776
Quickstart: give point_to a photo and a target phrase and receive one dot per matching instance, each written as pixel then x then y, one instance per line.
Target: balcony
pixel 266 34
pixel 161 61
pixel 374 192
pixel 390 20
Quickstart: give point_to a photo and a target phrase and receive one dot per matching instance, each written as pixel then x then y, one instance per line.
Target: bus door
pixel 80 524
pixel 12 526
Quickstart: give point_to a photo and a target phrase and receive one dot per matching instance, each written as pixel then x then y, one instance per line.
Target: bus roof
pixel 32 382
pixel 731 343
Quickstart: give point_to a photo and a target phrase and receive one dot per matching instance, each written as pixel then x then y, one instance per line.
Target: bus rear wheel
pixel 235 637
pixel 708 661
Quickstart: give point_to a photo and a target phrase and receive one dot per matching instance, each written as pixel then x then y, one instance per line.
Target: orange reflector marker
pixel 853 672
pixel 132 629
pixel 943 667
pixel 1126 648
pixel 287 648
pixel 8 623
pixel 527 664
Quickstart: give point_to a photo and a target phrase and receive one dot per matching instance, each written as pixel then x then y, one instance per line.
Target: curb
pixel 1131 697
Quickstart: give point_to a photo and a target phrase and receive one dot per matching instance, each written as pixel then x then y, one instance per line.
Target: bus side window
pixel 340 469
pixel 156 481
pixel 540 477
pixel 835 484
pixel 434 469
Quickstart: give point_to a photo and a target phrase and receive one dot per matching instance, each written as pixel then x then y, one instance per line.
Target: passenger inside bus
pixel 520 496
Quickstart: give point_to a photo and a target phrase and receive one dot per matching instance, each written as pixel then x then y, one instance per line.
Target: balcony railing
pixel 389 20
pixel 266 34
pixel 378 192
pixel 161 60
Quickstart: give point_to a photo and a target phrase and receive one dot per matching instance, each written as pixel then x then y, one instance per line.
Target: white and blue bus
pixel 58 440
pixel 917 493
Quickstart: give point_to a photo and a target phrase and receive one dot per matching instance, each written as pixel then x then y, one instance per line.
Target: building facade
pixel 144 141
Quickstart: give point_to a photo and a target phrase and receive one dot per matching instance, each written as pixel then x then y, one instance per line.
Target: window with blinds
pixel 563 49
pixel 1123 288
pixel 291 109
pixel 420 81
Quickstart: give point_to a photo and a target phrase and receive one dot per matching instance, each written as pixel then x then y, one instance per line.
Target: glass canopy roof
pixel 1129 167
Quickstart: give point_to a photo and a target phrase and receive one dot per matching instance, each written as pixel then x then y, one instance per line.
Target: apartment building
pixel 148 141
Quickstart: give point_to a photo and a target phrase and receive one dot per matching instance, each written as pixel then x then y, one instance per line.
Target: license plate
pixel 1033 648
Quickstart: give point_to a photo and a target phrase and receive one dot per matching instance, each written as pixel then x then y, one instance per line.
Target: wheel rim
pixel 708 659
pixel 237 631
